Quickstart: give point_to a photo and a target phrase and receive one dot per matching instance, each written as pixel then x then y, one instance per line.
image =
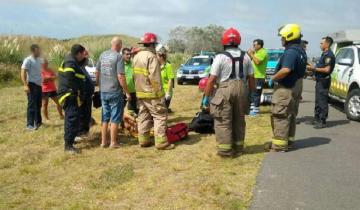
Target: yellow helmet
pixel 290 32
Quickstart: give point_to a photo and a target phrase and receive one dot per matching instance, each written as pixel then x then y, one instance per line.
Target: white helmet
pixel 162 49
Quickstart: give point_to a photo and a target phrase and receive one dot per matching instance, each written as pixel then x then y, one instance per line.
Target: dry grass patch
pixel 36 174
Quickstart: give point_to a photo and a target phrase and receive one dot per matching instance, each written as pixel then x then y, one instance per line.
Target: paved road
pixel 323 172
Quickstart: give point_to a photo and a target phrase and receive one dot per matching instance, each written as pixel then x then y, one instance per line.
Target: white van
pixel 345 79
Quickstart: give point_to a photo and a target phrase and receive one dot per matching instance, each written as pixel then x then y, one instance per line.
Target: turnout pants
pixel 321 99
pixel 152 112
pixel 34 105
pixel 71 122
pixel 85 115
pixel 229 107
pixel 284 108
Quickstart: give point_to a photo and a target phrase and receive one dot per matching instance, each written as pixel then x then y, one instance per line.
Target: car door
pixel 341 74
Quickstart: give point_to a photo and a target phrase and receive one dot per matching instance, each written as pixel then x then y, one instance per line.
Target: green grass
pixel 36 174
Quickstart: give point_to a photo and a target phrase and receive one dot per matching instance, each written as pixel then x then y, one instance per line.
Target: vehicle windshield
pixel 274 56
pixel 198 61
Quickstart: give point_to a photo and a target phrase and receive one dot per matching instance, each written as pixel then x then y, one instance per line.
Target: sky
pixel 254 19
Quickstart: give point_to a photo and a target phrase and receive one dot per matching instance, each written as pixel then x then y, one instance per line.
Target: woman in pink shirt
pixel 49 90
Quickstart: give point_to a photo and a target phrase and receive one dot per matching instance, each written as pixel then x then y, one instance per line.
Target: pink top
pixel 48 86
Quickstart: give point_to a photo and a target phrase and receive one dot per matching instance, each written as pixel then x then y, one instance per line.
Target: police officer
pixel 86 107
pixel 71 92
pixel 322 72
pixel 287 89
pixel 230 70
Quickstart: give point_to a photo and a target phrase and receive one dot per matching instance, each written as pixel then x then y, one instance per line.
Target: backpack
pixel 177 132
pixel 203 123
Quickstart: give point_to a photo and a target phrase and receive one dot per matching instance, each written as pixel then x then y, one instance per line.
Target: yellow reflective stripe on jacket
pixel 224 146
pixel 280 142
pixel 150 94
pixel 66 69
pixel 141 71
pixel 81 76
pixel 62 98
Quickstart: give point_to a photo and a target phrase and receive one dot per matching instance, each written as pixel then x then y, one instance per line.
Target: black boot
pixel 71 149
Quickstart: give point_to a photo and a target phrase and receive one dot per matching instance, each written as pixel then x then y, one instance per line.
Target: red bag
pixel 177 132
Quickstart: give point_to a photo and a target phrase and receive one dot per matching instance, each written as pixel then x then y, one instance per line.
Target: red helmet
pixel 202 83
pixel 148 38
pixel 231 36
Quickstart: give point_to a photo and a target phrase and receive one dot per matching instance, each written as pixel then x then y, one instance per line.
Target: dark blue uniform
pixel 323 81
pixel 286 96
pixel 86 106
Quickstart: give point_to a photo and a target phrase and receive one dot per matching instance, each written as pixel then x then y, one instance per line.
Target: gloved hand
pixel 205 102
pixel 270 82
pixel 167 96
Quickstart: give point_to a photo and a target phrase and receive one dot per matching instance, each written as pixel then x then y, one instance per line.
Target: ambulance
pixel 345 79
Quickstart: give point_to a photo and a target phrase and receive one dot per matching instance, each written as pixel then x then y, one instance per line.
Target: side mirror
pixel 346 62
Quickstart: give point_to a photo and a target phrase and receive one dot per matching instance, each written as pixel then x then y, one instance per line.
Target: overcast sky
pixel 254 19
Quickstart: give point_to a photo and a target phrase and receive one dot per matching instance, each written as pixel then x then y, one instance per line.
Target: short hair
pixel 77 48
pixel 116 40
pixel 125 49
pixel 34 47
pixel 329 40
pixel 259 42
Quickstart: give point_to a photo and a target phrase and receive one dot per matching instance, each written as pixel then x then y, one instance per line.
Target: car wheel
pixel 352 105
pixel 180 82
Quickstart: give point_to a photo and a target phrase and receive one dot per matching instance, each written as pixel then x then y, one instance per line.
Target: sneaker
pixel 30 128
pixel 275 148
pixel 253 113
pixel 71 150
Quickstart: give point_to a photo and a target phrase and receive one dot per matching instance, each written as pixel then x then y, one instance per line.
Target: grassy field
pixel 36 174
pixel 14 48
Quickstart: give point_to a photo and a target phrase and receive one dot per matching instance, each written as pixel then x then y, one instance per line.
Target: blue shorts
pixel 112 107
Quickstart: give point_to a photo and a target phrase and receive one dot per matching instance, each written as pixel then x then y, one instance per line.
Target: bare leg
pixel 45 102
pixel 114 133
pixel 104 131
pixel 58 107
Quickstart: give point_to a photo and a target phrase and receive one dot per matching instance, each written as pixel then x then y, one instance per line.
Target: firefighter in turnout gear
pixel 150 94
pixel 288 87
pixel 230 70
pixel 71 93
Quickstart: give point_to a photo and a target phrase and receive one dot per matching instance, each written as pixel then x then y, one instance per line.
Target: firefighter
pixel 150 94
pixel 287 89
pixel 230 70
pixel 72 93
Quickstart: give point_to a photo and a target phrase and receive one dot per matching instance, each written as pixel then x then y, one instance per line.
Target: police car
pixel 345 79
pixel 196 68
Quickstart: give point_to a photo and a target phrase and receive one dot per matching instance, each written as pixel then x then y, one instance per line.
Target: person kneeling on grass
pixel 49 90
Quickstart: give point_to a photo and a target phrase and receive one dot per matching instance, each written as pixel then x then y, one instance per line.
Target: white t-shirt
pixel 32 66
pixel 222 66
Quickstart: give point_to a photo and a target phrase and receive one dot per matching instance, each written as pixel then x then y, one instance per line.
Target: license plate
pixel 189 77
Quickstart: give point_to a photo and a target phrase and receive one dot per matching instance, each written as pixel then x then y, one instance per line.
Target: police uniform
pixel 230 102
pixel 286 97
pixel 323 81
pixel 71 94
